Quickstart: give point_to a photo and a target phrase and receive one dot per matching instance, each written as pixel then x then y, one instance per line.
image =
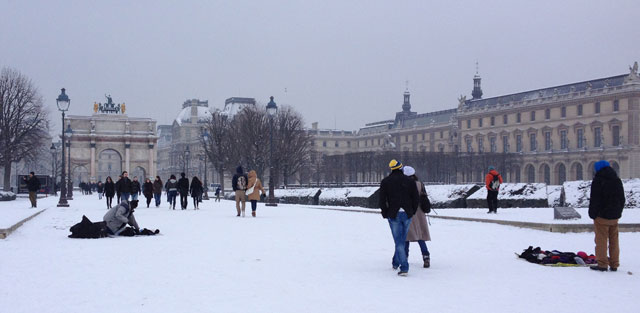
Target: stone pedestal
pixel 565 213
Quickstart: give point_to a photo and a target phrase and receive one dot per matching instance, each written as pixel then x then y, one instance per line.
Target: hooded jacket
pixel 172 185
pixel 489 178
pixel 109 189
pixel 183 185
pixel 157 186
pixel 607 195
pixel 119 216
pixel 256 184
pixel 398 191
pixel 234 180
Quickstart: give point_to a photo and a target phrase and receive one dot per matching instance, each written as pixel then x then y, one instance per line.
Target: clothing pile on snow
pixel 88 229
pixel 556 257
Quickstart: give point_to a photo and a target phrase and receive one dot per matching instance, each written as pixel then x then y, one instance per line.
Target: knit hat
pixel 408 171
pixel 600 165
pixel 395 165
pixel 491 167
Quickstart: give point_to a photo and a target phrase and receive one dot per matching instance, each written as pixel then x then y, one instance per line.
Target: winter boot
pixel 427 261
pixel 404 274
pixel 253 213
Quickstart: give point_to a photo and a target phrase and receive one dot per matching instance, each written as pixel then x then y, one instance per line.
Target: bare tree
pixel 251 139
pixel 218 145
pixel 23 121
pixel 292 145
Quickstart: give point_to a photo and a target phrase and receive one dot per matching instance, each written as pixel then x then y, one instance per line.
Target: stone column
pixel 127 156
pixel 93 162
pixel 152 170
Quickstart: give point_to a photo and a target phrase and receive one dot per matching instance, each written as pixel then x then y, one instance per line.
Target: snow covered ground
pixel 293 259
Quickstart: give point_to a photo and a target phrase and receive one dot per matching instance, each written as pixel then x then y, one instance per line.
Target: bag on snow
pixel 88 229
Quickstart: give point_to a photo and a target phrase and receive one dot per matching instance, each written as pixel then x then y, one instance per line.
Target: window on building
pixel 406 138
pixel 349 144
pixel 518 143
pixel 597 107
pixel 479 122
pixel 366 143
pixel 423 137
pixel 372 142
pixel 563 112
pixel 468 124
pixel 597 134
pixel 564 144
pixel 324 143
pixel 580 138
pixel 533 116
pixel 547 141
pixel 616 105
pixel 469 148
pixel 441 134
pixel 504 119
pixel 493 146
pixel 615 131
pixel 579 109
pixel 337 144
pixel 533 145
pixel 415 137
pixel 505 144
pixel 480 144
pixel 518 117
pixel 379 141
pixel 547 114
pixel 493 121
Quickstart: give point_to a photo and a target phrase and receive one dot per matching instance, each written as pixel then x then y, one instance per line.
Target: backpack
pixel 241 183
pixel 495 183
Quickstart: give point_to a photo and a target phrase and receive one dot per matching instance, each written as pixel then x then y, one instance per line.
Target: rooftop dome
pixel 193 109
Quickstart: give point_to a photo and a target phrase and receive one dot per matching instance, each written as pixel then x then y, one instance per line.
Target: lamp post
pixel 69 132
pixel 205 136
pixel 53 169
pixel 186 160
pixel 272 110
pixel 63 105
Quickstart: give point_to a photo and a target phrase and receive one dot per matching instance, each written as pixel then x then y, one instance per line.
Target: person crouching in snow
pixel 120 215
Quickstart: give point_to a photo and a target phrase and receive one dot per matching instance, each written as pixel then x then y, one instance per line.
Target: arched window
pixel 531 174
pixel 545 172
pixel 579 172
pixel 562 173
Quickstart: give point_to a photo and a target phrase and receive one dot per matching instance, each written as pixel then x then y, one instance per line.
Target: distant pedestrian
pixel 33 185
pixel 196 192
pixel 157 190
pixel 605 208
pixel 398 203
pixel 218 194
pixel 135 188
pixel 419 228
pixel 117 186
pixel 239 185
pixel 126 186
pixel 254 189
pixel 172 191
pixel 492 183
pixel 100 190
pixel 183 189
pixel 147 190
pixel 109 190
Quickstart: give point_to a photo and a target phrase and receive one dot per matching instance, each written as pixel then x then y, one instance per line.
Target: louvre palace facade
pixel 546 135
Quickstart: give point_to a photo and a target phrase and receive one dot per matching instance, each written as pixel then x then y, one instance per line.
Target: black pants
pixel 109 200
pixel 118 197
pixel 254 205
pixel 148 200
pixel 196 200
pixel 183 201
pixel 492 200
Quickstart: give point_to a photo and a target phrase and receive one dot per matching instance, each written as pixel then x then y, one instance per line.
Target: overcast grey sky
pixel 343 63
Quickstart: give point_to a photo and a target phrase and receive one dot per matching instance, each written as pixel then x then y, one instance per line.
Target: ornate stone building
pixel 109 142
pixel 550 135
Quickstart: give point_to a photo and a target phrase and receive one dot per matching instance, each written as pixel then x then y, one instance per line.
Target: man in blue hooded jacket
pixel 605 208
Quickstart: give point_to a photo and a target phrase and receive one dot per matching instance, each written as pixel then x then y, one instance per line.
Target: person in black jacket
pixel 605 208
pixel 100 189
pixel 117 187
pixel 126 186
pixel 183 189
pixel 398 202
pixel 33 185
pixel 109 191
pixel 135 188
pixel 239 184
pixel 196 192
pixel 147 190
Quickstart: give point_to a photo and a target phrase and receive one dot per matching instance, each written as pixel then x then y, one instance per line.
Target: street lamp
pixel 272 110
pixel 205 136
pixel 63 102
pixel 69 132
pixel 53 169
pixel 186 160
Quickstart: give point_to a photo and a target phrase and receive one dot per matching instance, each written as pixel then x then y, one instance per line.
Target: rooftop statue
pixel 109 107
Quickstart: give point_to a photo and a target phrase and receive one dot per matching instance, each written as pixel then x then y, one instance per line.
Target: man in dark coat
pixel 605 208
pixel 239 184
pixel 183 190
pixel 33 185
pixel 398 202
pixel 125 187
pixel 135 188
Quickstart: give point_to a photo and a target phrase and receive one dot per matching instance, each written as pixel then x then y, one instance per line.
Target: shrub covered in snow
pixel 450 196
pixel 7 196
pixel 517 195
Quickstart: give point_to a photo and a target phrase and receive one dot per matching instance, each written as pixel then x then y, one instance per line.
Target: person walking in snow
pixel 117 187
pixel 419 228
pixel 157 190
pixel 196 192
pixel 126 186
pixel 254 189
pixel 109 191
pixel 605 208
pixel 217 194
pixel 398 203
pixel 147 190
pixel 135 188
pixel 33 185
pixel 492 182
pixel 172 191
pixel 183 189
pixel 239 185
pixel 100 190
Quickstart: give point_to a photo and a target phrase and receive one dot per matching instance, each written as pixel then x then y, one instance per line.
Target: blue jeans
pixel 399 230
pixel 157 197
pixel 423 248
pixel 134 196
pixel 172 198
pixel 124 196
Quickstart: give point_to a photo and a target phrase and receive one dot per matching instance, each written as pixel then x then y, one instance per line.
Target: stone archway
pixel 80 174
pixel 140 172
pixel 109 164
